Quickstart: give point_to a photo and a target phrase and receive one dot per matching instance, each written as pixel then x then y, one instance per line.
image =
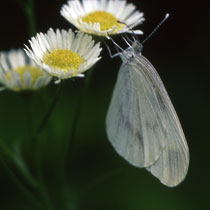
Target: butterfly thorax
pixel 130 52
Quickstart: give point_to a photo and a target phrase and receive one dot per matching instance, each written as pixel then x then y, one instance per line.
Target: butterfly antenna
pixel 157 27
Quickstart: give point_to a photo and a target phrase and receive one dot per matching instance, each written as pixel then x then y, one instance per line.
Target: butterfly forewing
pixel 134 120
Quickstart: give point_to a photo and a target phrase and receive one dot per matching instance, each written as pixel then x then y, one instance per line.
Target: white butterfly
pixel 141 122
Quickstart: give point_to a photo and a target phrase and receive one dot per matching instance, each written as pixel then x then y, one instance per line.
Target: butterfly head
pixel 132 51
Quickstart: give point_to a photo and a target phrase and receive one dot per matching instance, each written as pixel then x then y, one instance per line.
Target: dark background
pixel 180 52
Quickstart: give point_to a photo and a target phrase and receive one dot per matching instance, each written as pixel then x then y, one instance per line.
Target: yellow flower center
pixel 64 60
pixel 106 20
pixel 34 71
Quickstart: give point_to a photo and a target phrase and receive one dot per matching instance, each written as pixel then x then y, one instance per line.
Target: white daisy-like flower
pixel 103 17
pixel 64 54
pixel 18 72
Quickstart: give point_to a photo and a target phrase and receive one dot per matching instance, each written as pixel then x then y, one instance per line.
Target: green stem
pixel 49 112
pixel 42 183
pixel 45 195
pixel 78 112
pixel 29 10
pixel 42 187
pixel 27 102
pixel 21 186
pixel 16 158
pixel 101 179
pixel 69 145
pixel 38 186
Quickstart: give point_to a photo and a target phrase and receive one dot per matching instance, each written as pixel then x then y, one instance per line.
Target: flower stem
pixel 46 203
pixel 78 112
pixel 15 157
pixel 49 112
pixel 21 186
pixel 42 185
pixel 27 102
pixel 101 179
pixel 29 10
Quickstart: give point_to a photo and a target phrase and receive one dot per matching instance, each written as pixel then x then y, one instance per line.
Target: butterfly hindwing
pixel 172 166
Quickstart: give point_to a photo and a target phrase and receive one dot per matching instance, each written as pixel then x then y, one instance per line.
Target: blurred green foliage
pixel 97 178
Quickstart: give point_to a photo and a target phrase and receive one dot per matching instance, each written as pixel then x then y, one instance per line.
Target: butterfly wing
pixel 134 122
pixel 143 126
pixel 171 168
